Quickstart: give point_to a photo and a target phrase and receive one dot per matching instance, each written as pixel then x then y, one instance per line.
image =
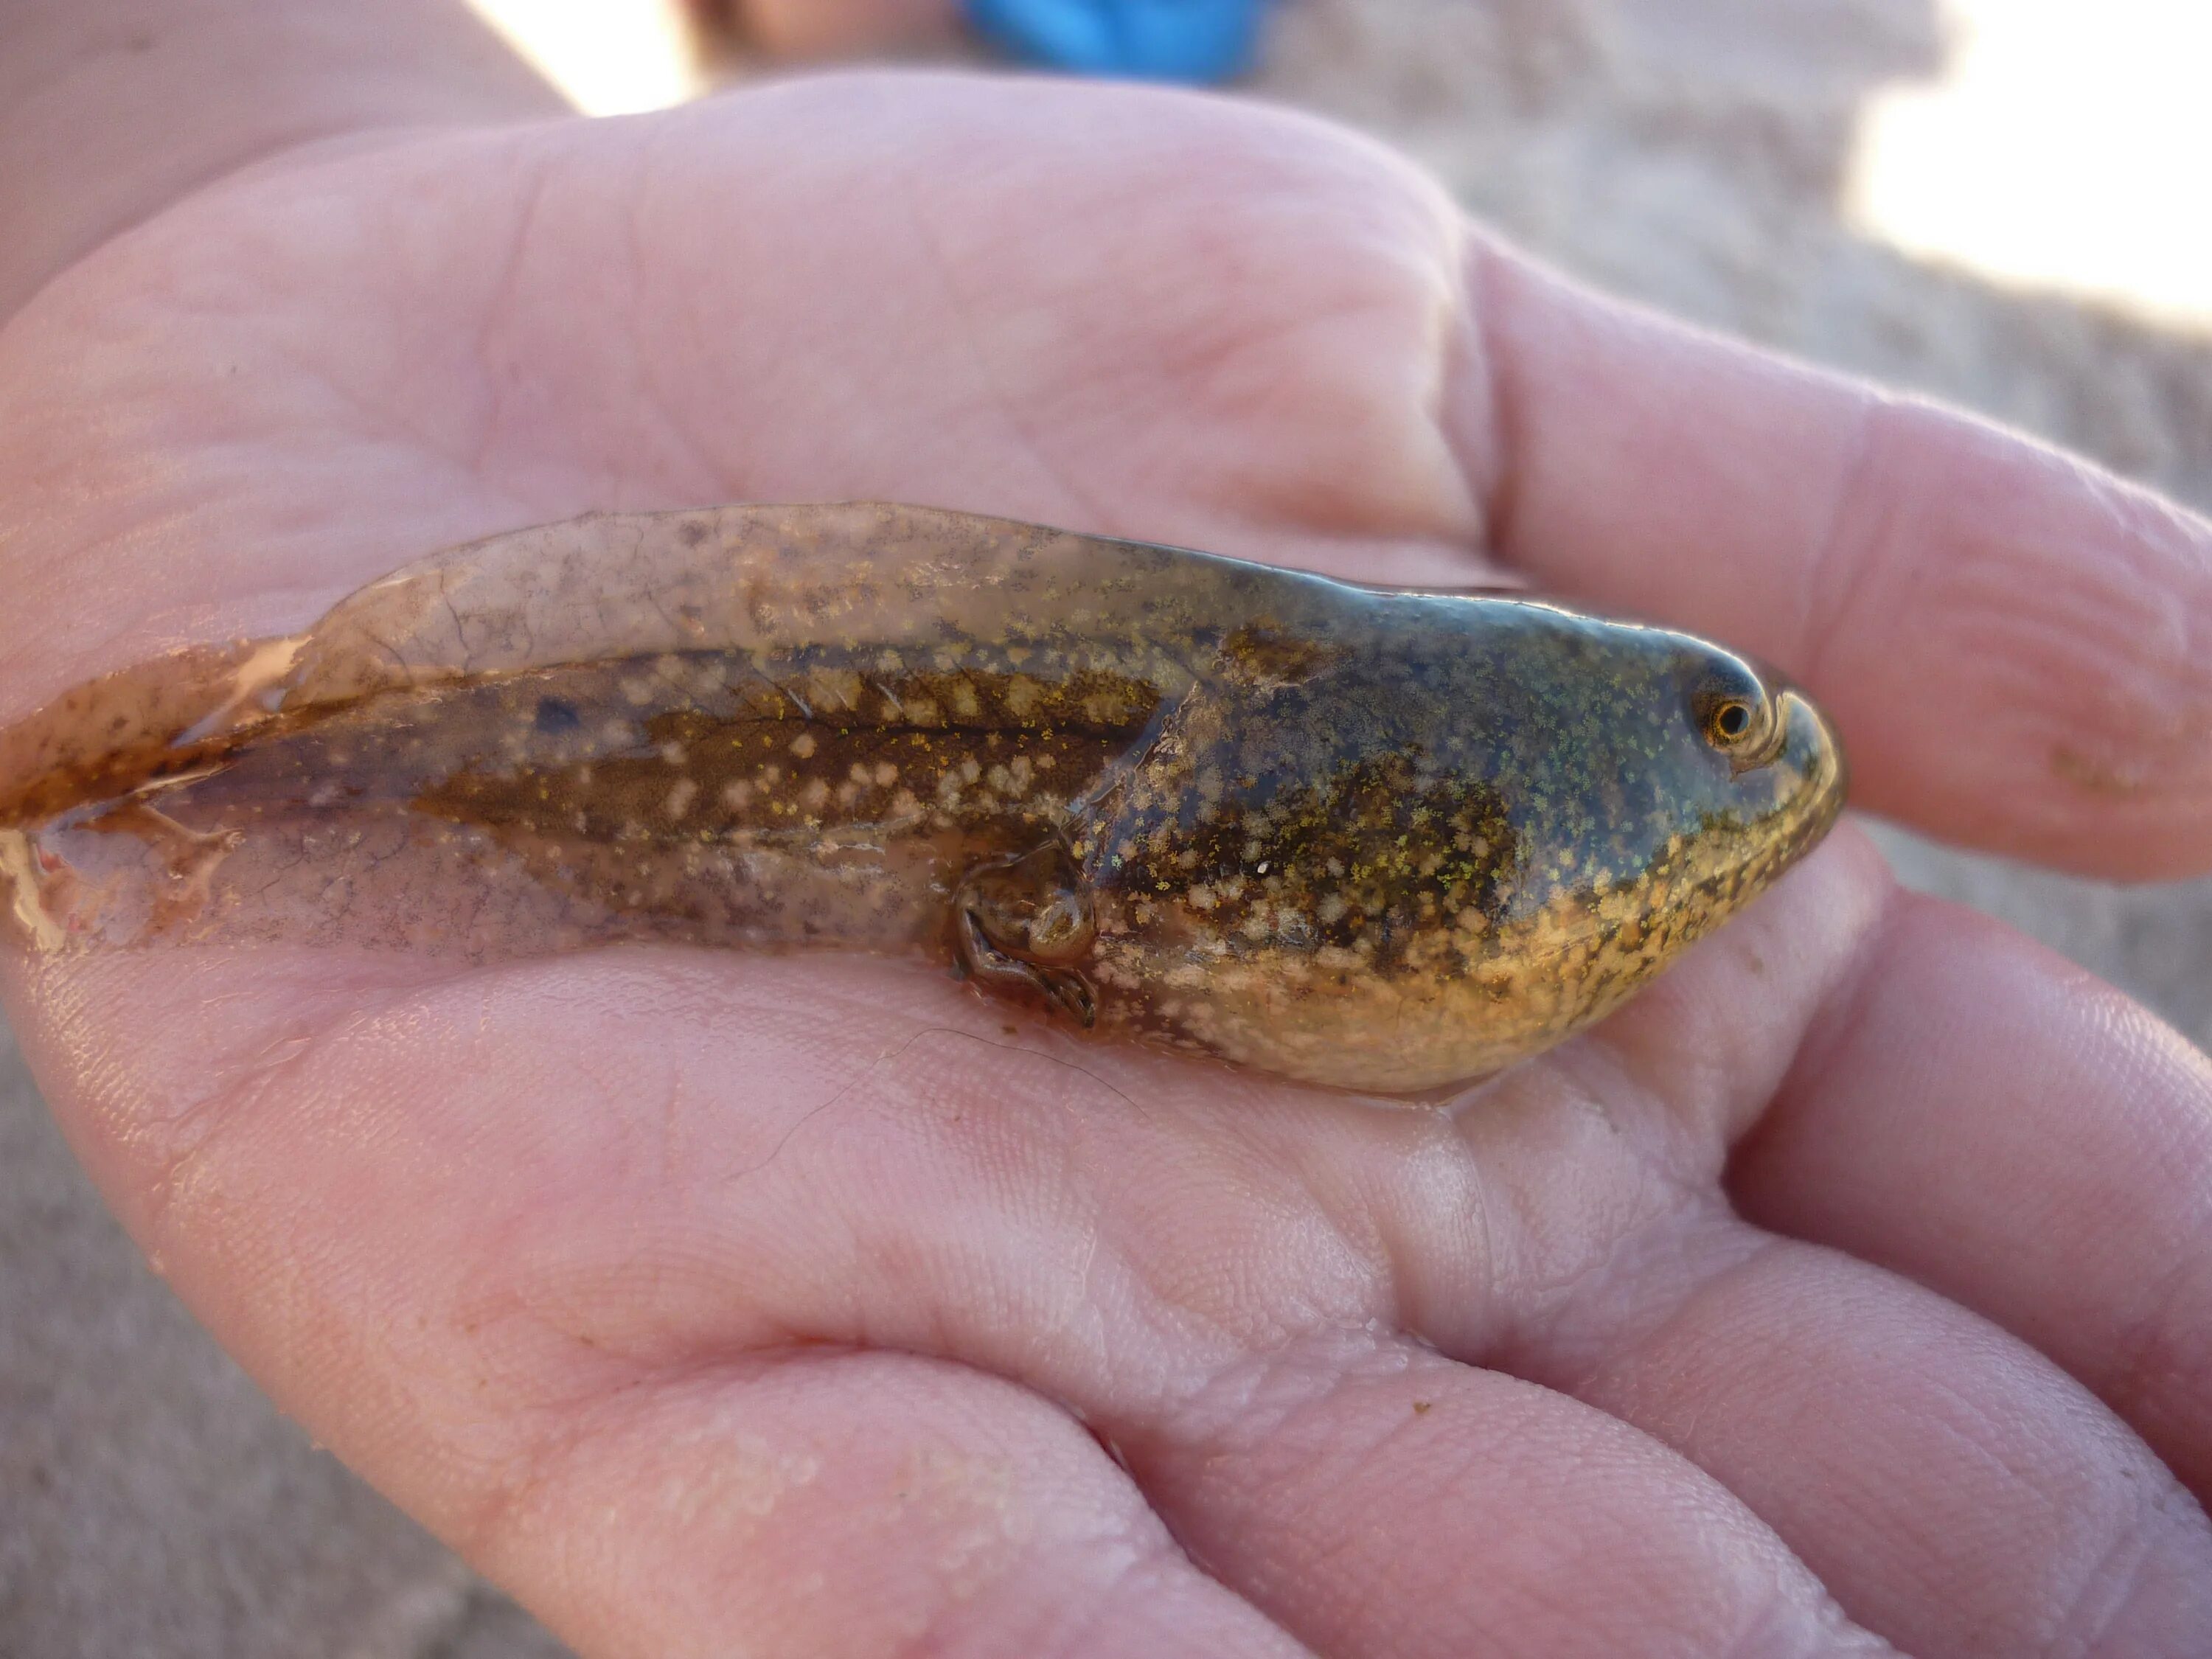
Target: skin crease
pixel 694 1295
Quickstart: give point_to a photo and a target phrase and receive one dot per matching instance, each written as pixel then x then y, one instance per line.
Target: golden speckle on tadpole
pixel 1381 839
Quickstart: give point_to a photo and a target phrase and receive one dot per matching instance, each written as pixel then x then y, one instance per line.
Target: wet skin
pixel 1375 839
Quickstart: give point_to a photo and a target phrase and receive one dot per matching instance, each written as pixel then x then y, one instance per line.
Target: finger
pixel 1954 1490
pixel 97 140
pixel 838 1505
pixel 1378 1499
pixel 1984 1118
pixel 2014 642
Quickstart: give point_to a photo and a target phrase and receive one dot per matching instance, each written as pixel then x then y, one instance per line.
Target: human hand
pixel 794 1303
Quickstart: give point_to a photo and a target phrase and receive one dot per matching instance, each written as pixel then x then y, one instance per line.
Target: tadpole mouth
pixel 1811 749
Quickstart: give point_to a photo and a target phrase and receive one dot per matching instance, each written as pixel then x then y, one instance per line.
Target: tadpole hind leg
pixel 1063 988
pixel 1022 924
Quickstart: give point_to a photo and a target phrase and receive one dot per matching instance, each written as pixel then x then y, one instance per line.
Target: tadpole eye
pixel 1731 722
pixel 1732 709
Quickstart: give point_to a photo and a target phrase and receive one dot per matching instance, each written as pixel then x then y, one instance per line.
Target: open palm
pixel 1848 1287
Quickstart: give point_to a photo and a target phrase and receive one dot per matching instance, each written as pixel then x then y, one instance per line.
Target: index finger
pixel 2016 645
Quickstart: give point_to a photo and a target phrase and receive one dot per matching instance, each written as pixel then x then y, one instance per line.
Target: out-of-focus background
pixel 1997 201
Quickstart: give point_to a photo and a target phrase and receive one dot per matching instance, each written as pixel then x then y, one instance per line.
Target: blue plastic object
pixel 1198 41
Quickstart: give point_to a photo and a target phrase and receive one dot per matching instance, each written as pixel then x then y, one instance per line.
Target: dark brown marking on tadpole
pixel 1263 657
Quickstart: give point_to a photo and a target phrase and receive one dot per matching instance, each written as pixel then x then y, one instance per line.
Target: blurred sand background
pixel 1997 201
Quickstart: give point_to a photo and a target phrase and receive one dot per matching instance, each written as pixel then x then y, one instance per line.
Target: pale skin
pixel 1849 1289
